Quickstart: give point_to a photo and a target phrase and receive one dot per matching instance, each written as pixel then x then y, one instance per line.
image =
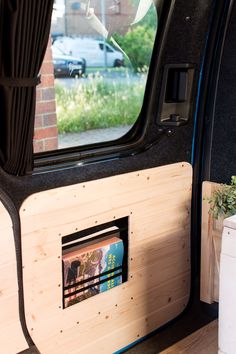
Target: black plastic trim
pixel 94 284
pixel 213 90
pixel 167 122
pixel 108 272
pixel 31 350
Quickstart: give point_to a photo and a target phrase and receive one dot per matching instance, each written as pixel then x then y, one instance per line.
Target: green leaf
pixel 223 200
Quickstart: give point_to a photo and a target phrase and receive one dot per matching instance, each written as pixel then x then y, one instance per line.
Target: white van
pixel 91 50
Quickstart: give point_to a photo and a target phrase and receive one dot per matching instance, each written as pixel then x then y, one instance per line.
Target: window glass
pixel 108 49
pixel 94 72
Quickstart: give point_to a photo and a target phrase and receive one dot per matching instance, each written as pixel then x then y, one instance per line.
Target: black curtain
pixel 24 32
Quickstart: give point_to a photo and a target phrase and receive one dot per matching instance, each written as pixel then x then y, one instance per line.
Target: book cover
pixel 90 269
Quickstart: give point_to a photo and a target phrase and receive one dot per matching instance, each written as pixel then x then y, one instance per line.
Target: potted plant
pixel 223 203
pixel 219 203
pixel 223 200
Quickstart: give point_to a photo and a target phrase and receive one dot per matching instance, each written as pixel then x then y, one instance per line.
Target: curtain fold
pixel 24 31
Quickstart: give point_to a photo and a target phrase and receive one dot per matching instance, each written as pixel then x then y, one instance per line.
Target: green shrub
pixel 224 200
pixel 138 45
pixel 98 104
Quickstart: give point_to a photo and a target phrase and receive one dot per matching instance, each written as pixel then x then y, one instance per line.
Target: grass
pixel 98 103
pixel 101 69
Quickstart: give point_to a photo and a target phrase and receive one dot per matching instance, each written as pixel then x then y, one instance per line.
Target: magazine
pixel 92 268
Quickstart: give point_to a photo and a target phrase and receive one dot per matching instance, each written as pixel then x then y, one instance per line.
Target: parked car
pixel 67 65
pixel 91 50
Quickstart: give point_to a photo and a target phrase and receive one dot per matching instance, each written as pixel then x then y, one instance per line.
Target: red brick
pixel 38 146
pixel 38 123
pixel 48 94
pixel 46 107
pixel 47 81
pixel 48 54
pixel 38 94
pixel 46 135
pixel 43 133
pixel 49 119
pixel 51 144
pixel 47 68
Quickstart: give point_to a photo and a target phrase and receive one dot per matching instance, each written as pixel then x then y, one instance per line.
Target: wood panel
pixel 10 326
pixel 210 247
pixel 157 202
pixel 203 341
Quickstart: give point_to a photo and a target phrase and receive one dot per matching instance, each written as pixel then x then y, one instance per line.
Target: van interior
pixel 112 246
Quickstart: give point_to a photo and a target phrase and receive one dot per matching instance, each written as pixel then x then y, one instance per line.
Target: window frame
pixel 134 141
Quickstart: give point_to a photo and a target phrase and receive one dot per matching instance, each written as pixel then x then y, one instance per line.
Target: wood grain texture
pixel 10 326
pixel 157 202
pixel 203 341
pixel 210 247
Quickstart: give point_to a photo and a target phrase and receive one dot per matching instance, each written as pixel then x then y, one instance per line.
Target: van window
pixel 94 73
pixel 108 49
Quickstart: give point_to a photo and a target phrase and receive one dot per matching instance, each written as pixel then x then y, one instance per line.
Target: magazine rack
pixel 94 235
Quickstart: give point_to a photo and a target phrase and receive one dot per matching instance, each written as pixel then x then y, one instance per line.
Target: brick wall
pixel 119 15
pixel 45 133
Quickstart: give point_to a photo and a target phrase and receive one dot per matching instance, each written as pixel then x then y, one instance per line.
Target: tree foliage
pixel 223 201
pixel 138 45
pixel 138 42
pixel 151 18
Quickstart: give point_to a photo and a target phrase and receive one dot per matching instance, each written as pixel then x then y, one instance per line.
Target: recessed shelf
pixel 94 260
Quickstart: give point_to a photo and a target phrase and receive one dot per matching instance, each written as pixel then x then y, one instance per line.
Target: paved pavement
pixel 91 136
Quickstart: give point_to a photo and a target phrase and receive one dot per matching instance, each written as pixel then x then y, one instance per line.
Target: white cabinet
pixel 227 296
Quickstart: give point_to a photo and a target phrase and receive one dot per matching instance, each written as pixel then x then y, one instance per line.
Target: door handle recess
pixel 176 95
pixel 175 120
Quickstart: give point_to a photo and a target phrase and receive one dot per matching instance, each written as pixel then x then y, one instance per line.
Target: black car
pixel 67 65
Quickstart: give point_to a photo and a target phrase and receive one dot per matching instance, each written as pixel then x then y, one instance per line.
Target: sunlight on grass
pixel 99 104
